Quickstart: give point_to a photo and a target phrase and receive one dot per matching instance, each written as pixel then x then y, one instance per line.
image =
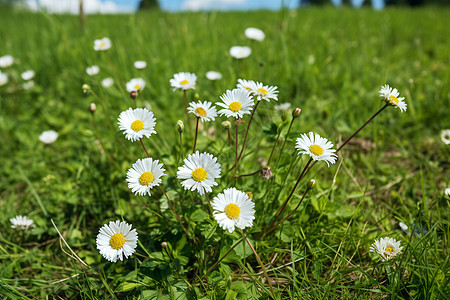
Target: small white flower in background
pixel 317 147
pixel 447 191
pixel 6 61
pixel 265 92
pixel 107 82
pixel 117 240
pixel 92 70
pixel 137 123
pixel 403 226
pixel 240 52
pixel 48 137
pixel 236 103
pixel 248 85
pixel 136 85
pixel 102 44
pixel 213 75
pixel 390 96
pixel 445 136
pixel 255 34
pixel 387 247
pixel 205 111
pixel 199 172
pixel 28 85
pixel 144 175
pixel 183 81
pixel 283 106
pixel 20 222
pixel 27 75
pixel 140 64
pixel 233 208
pixel 3 78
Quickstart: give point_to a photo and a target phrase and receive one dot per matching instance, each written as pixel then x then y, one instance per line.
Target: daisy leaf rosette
pixel 386 247
pixel 205 111
pixel 236 103
pixel 391 96
pixel 117 240
pixel 233 208
pixel 183 81
pixel 137 123
pixel 144 175
pixel 317 147
pixel 199 172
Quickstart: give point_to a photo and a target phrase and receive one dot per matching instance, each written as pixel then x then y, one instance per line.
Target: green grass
pixel 329 62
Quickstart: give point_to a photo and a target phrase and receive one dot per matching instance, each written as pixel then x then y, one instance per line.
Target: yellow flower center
pixel 264 91
pixel 232 211
pixel 388 249
pixel 200 111
pixel 102 44
pixel 235 106
pixel 393 99
pixel 137 86
pixel 250 195
pixel 316 150
pixel 137 125
pixel 146 178
pixel 199 174
pixel 247 88
pixel 184 82
pixel 117 241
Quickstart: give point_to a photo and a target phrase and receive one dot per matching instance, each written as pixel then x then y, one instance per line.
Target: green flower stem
pixel 235 152
pixel 209 202
pixel 116 73
pixel 274 145
pixel 223 257
pixel 246 133
pixel 143 146
pixel 173 210
pixel 284 142
pixel 97 134
pixel 260 263
pixel 196 134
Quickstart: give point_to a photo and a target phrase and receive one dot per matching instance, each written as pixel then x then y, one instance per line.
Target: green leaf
pixel 199 215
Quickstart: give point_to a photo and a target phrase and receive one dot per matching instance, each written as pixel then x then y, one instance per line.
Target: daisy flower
pixel 283 106
pixel 27 75
pixel 3 78
pixel 144 175
pixel 137 123
pixel 6 61
pixel 93 70
pixel 199 171
pixel 136 85
pixel 240 52
pixel 140 64
pixel 390 96
pixel 116 240
pixel 48 137
pixel 28 85
pixel 248 85
pixel 102 44
pixel 387 247
pixel 265 92
pixel 183 81
pixel 254 34
pixel 236 103
pixel 213 75
pixel 233 208
pixel 20 222
pixel 107 82
pixel 317 147
pixel 447 192
pixel 445 136
pixel 204 110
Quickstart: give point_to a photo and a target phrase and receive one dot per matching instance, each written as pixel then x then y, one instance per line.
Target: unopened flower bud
pixel 311 184
pixel 197 96
pixel 92 107
pixel 226 124
pixel 180 126
pixel 266 172
pixel 164 244
pixel 296 113
pixel 133 95
pixel 85 88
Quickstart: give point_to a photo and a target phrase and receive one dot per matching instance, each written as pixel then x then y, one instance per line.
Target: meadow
pixel 328 62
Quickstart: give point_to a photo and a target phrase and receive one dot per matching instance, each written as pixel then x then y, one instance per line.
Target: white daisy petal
pixel 48 137
pixel 445 136
pixel 135 85
pixel 240 52
pixel 21 222
pixel 140 64
pixel 213 75
pixel 137 123
pixel 233 208
pixel 144 175
pixel 317 147
pixel 92 70
pixel 391 96
pixel 183 81
pixel 387 247
pixel 205 111
pixel 199 172
pixel 102 44
pixel 116 240
pixel 254 34
pixel 236 103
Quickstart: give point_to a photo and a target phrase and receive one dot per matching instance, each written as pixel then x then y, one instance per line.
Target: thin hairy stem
pixel 209 202
pixel 225 255
pixel 173 210
pixel 143 146
pixel 284 143
pixel 273 148
pixel 246 133
pixel 196 133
